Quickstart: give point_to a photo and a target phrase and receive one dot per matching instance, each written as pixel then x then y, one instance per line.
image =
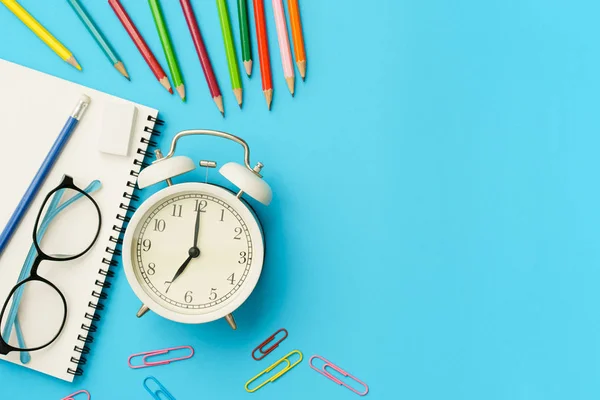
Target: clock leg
pixel 143 310
pixel 231 321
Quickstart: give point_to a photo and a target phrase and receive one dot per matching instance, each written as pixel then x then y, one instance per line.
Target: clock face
pixel 196 253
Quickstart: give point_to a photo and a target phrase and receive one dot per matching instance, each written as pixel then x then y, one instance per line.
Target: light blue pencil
pixel 96 33
pixel 43 172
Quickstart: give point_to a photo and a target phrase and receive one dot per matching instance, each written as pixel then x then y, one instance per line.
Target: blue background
pixel 435 222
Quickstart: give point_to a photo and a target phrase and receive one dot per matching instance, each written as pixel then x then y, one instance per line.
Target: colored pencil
pixel 245 36
pixel 234 71
pixel 41 32
pixel 297 37
pixel 100 39
pixel 43 172
pixel 284 44
pixel 165 40
pixel 140 43
pixel 209 73
pixel 263 50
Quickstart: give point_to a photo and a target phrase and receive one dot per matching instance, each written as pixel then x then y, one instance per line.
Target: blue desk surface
pixel 435 224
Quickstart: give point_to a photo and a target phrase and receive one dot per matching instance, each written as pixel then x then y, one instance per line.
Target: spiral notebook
pixel 108 145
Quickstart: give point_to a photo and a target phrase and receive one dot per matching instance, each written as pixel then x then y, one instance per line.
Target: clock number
pixel 151 269
pixel 231 279
pixel 159 225
pixel 177 210
pixel 146 244
pixel 202 204
pixel 222 214
pixel 243 258
pixel 168 287
pixel 188 297
pixel 238 232
pixel 213 294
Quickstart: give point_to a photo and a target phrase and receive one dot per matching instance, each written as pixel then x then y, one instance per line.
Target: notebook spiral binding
pixel 113 251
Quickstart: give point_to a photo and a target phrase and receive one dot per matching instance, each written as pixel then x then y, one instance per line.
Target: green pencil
pixel 165 40
pixel 245 36
pixel 98 37
pixel 234 71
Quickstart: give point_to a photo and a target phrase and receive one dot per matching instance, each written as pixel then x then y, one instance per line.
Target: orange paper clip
pixel 72 395
pixel 261 347
pixel 323 371
pixel 145 363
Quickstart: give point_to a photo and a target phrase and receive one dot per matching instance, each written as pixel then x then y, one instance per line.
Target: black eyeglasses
pixel 36 307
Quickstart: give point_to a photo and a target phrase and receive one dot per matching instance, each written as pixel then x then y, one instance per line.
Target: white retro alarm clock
pixel 193 252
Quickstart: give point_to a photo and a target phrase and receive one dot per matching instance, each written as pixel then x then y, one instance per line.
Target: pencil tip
pixel 181 91
pixel 302 68
pixel 121 68
pixel 248 67
pixel 71 60
pixel 269 98
pixel 290 83
pixel 165 82
pixel 238 96
pixel 219 102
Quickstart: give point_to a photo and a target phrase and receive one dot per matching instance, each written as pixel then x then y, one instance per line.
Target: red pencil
pixel 140 43
pixel 211 79
pixel 263 50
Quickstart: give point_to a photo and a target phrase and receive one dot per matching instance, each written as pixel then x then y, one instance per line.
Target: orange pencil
pixel 297 37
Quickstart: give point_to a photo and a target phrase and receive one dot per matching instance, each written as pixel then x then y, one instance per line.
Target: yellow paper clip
pixel 271 368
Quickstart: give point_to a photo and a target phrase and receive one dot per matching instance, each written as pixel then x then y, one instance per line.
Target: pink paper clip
pixel 72 395
pixel 261 347
pixel 323 371
pixel 145 355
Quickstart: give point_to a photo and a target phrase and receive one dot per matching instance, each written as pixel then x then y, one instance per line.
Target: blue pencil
pixel 43 172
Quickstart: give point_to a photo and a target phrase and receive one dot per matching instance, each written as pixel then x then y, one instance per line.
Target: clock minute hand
pixel 197 228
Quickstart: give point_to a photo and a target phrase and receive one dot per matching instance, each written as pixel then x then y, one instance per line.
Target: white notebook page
pixel 33 109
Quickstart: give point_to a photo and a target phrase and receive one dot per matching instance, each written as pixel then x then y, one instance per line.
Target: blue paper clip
pixel 161 390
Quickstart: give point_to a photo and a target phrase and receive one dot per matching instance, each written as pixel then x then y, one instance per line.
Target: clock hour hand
pixel 193 252
pixel 181 269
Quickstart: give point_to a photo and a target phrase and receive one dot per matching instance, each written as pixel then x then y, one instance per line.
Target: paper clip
pixel 323 371
pixel 72 395
pixel 162 391
pixel 277 375
pixel 145 355
pixel 261 346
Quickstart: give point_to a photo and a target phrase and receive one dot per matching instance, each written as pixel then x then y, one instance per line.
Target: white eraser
pixel 118 123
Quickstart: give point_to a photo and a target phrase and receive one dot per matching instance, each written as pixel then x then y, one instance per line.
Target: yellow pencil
pixel 41 32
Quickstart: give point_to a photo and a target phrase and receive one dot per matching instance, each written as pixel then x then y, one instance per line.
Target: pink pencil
pixel 284 44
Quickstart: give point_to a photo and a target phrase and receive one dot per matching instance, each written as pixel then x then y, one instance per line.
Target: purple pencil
pixel 211 79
